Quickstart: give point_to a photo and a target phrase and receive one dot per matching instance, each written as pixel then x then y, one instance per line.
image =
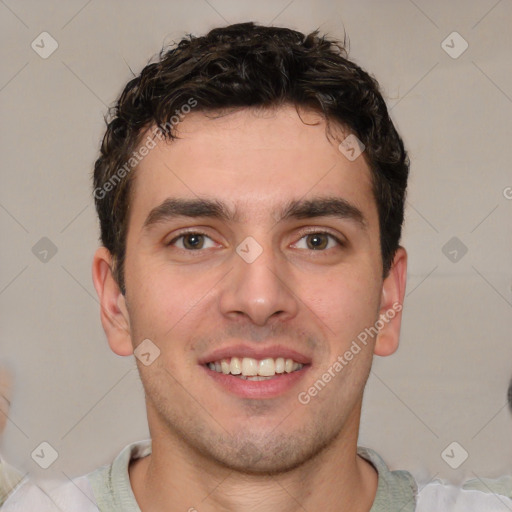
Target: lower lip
pixel 257 389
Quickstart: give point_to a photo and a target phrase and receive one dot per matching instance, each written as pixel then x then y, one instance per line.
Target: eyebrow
pixel 331 206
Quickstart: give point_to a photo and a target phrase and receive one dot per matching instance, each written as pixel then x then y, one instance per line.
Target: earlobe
pixel 114 313
pixel 393 292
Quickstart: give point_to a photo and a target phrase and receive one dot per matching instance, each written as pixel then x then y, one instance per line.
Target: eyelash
pixel 302 235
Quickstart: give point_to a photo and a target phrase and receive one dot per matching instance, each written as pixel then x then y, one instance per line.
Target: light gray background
pixel 448 380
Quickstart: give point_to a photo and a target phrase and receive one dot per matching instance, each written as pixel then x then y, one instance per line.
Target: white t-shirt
pixel 108 489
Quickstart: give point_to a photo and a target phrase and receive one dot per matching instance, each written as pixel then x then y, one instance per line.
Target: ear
pixel 114 313
pixel 393 292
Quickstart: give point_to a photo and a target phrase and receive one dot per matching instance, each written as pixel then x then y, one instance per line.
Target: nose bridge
pixel 258 285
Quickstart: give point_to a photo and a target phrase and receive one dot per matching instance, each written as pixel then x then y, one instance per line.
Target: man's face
pixel 206 289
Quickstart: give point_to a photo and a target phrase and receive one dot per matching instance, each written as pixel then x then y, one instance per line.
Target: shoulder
pixel 399 490
pixel 106 488
pixel 29 496
pixel 441 496
pixel 10 479
pixel 396 490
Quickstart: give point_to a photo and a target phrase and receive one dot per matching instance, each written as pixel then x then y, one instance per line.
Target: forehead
pixel 253 159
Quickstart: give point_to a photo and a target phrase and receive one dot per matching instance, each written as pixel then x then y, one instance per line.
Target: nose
pixel 260 288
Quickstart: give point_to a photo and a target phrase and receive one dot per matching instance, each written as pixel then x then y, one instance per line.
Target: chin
pixel 270 454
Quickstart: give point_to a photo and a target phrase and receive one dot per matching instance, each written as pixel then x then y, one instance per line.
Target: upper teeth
pixel 247 366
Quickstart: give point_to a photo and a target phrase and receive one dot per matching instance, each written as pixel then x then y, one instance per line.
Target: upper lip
pixel 242 350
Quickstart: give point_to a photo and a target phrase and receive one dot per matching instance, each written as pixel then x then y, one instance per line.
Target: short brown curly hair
pixel 249 65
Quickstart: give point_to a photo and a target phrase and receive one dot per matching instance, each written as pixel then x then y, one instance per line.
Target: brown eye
pixel 191 241
pixel 319 241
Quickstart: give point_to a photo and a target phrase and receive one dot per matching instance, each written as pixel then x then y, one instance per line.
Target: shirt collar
pixel 396 490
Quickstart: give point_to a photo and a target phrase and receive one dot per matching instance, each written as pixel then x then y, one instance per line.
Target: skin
pixel 213 450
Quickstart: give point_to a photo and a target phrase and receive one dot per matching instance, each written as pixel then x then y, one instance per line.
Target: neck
pixel 177 478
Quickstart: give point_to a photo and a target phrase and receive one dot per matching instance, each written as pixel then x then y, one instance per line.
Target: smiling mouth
pixel 248 368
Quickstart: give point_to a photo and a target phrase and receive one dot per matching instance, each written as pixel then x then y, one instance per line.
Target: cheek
pixel 167 303
pixel 157 302
pixel 346 301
